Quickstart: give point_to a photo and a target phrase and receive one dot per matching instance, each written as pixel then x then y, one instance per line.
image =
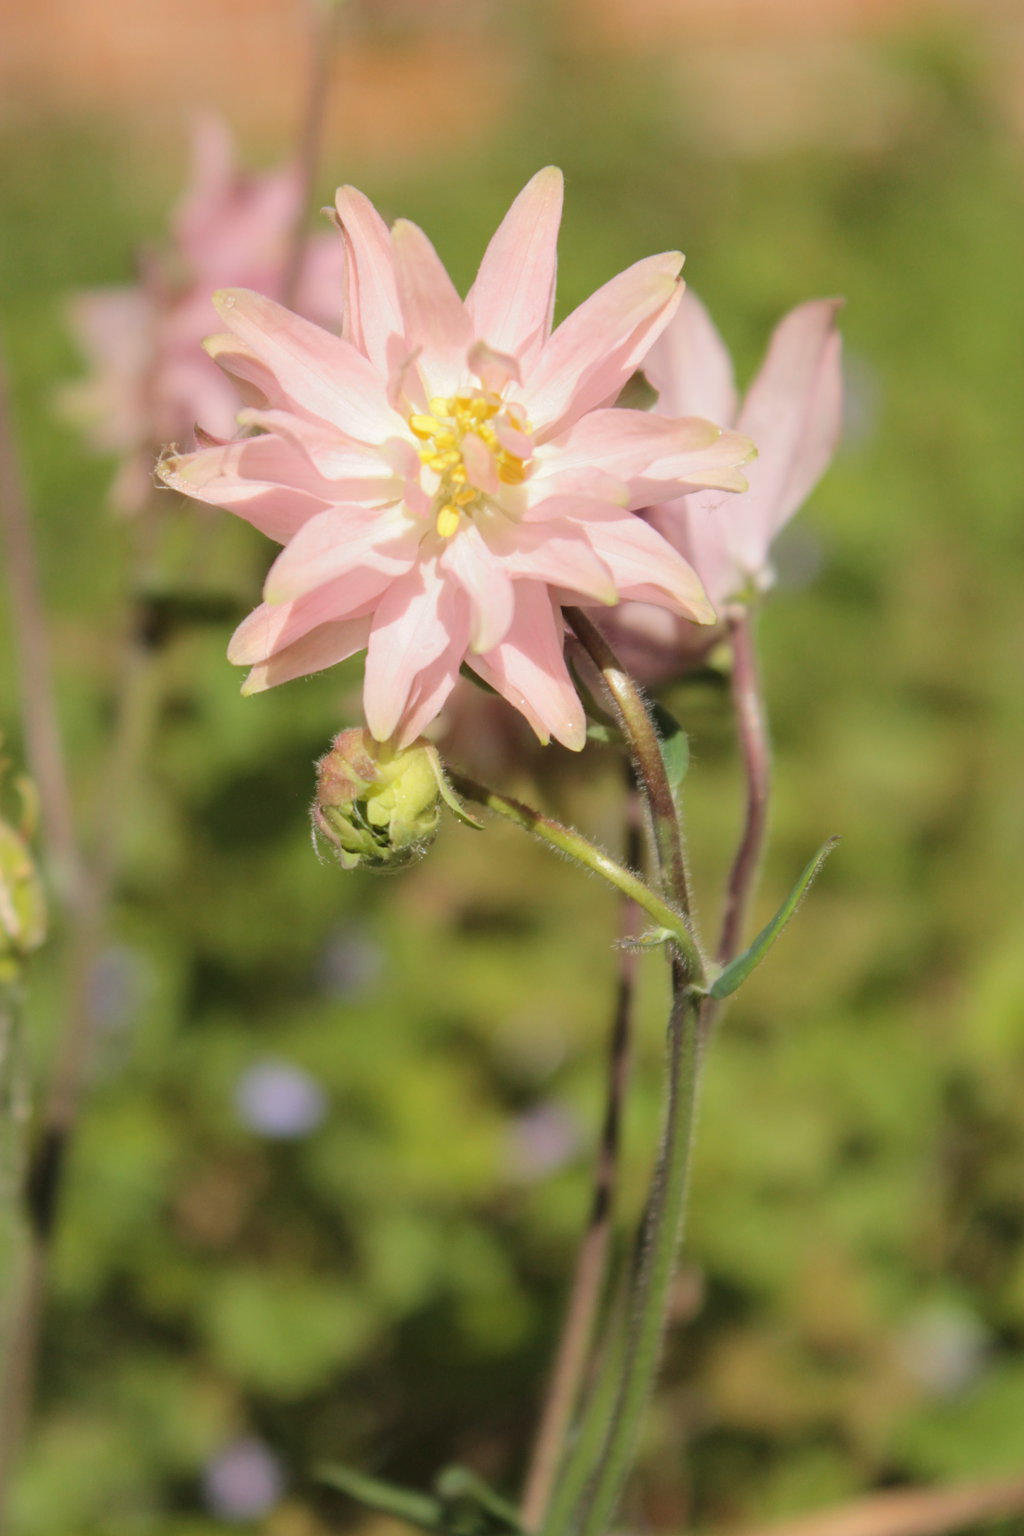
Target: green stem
pixel 639 730
pixel 573 843
pixel 652 1291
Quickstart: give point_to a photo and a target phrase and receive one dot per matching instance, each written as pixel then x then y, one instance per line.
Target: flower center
pixel 471 436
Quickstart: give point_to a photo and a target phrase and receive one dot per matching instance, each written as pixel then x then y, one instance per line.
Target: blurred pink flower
pixel 448 472
pixel 149 378
pixel 793 412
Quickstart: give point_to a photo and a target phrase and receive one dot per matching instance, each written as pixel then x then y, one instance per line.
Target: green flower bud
pixel 22 902
pixel 376 806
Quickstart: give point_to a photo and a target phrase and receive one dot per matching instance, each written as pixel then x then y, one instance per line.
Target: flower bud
pixel 22 902
pixel 377 806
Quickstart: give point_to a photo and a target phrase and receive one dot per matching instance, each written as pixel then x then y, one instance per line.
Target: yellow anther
pixel 447 521
pixel 465 495
pixel 424 426
pixel 459 476
pixel 440 406
pixel 511 471
pixel 444 438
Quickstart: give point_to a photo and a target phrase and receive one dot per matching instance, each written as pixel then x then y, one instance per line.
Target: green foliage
pixel 384 1289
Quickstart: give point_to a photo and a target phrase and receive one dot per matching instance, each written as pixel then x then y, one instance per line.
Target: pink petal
pixel 557 551
pixel 355 471
pixel 593 352
pixel 321 648
pixel 793 412
pixel 639 558
pixel 273 627
pixel 422 619
pixel 241 477
pixel 428 695
pixel 528 669
pixel 321 373
pixel 485 581
pixel 372 311
pixel 435 317
pixel 625 443
pixel 512 300
pixel 337 541
pixel 690 366
pixel 256 383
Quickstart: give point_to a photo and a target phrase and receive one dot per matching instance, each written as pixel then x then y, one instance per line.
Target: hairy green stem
pixel 578 847
pixel 639 730
pixel 652 1290
pixel 591 1269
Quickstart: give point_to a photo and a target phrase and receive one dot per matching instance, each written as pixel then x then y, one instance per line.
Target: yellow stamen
pixel 447 521
pixel 424 426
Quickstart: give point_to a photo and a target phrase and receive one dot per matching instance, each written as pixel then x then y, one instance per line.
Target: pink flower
pixel 447 473
pixel 150 379
pixel 793 413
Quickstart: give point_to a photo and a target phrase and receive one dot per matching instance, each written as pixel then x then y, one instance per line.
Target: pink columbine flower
pixel 793 412
pixel 447 473
pixel 150 379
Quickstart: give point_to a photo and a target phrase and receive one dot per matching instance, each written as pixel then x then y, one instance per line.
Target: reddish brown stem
pixel 752 732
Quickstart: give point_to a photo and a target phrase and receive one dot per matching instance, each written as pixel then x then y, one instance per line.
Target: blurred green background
pixel 232 1305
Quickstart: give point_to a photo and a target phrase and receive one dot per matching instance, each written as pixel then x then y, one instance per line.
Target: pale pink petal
pixel 793 412
pixel 552 493
pixel 421 619
pixel 273 626
pixel 701 527
pixel 217 476
pixel 512 300
pixel 625 443
pixel 321 295
pixel 480 465
pixel 256 383
pixel 593 352
pixel 529 670
pixel 428 694
pixel 557 552
pixel 690 366
pixel 485 581
pixel 372 311
pixel 321 373
pixel 494 369
pixel 339 540
pixel 639 558
pixel 321 648
pixel 355 471
pixel 436 321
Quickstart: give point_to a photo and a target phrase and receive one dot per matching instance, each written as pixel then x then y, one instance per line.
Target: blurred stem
pixel 326 20
pixel 639 729
pixel 909 1512
pixel 651 1298
pixel 573 843
pixel 135 710
pixel 43 746
pixel 752 733
pixel 590 1274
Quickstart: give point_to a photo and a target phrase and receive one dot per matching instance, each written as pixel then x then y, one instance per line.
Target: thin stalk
pixel 590 1273
pixel 639 730
pixel 752 733
pixel 652 1291
pixel 43 746
pixel 326 18
pixel 909 1512
pixel 573 843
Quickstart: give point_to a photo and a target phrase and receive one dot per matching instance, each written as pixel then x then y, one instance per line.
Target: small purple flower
pixel 243 1482
pixel 541 1140
pixel 279 1100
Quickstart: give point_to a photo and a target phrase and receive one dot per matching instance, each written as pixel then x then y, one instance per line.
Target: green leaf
pixel 597 730
pixel 457 1486
pixel 403 1503
pixel 674 745
pixel 736 973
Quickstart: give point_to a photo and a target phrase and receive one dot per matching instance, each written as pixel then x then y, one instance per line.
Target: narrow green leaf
pixel 597 730
pixel 403 1503
pixel 736 973
pixel 674 744
pixel 458 1485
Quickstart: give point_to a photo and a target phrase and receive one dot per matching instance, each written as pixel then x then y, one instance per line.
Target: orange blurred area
pixel 413 81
